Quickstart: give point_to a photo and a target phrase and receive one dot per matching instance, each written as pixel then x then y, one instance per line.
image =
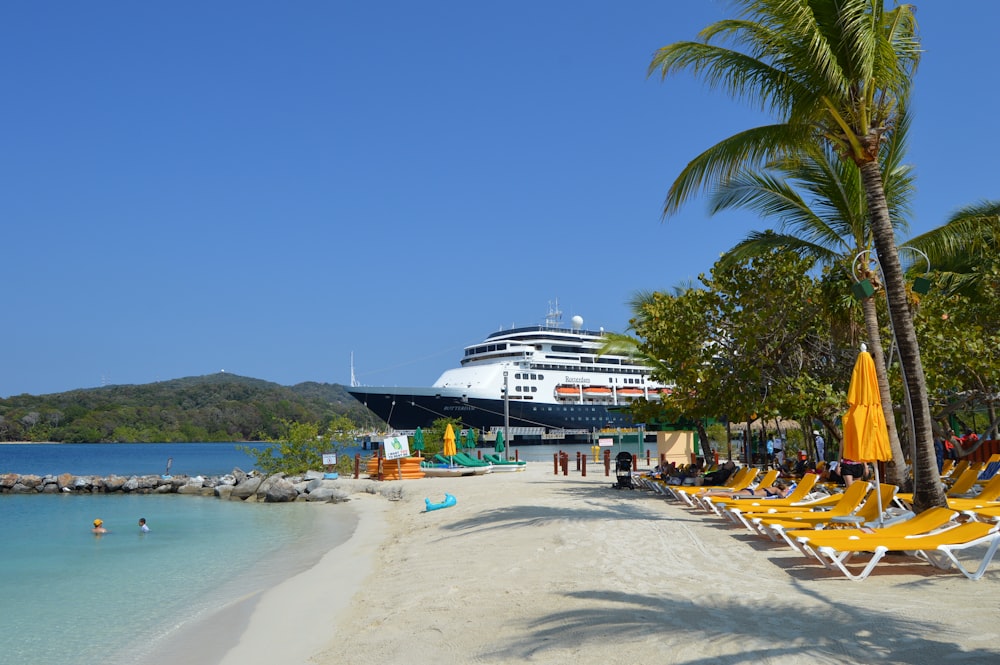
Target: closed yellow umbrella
pixel 866 438
pixel 449 442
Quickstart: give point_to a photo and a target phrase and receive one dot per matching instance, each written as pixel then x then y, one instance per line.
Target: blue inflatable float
pixel 448 502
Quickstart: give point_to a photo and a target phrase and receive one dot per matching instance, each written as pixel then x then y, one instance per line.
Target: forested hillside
pixel 214 407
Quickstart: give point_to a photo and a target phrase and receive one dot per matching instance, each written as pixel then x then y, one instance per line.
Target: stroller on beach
pixel 623 471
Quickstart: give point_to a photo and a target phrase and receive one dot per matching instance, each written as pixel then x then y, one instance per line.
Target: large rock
pixel 148 482
pixel 195 488
pixel 327 495
pixel 114 483
pixel 31 481
pixel 280 491
pixel 223 491
pixel 8 480
pixel 65 480
pixel 247 488
pixel 240 475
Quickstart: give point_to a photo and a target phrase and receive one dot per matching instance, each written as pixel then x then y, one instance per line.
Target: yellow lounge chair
pixel 962 485
pixel 929 521
pixel 988 494
pixel 705 502
pixel 741 480
pixel 957 469
pixel 938 549
pixel 989 513
pixel 866 514
pixel 947 467
pixel 848 502
pixel 734 508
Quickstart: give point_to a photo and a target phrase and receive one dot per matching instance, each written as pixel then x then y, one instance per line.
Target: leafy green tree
pixel 832 72
pixel 749 344
pixel 300 449
pixel 962 346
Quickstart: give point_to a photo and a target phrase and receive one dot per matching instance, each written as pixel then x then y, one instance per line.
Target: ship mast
pixel 554 318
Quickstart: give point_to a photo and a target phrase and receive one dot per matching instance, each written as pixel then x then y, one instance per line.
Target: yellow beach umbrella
pixel 449 442
pixel 866 438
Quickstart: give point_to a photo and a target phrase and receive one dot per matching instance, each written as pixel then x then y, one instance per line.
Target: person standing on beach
pixel 142 525
pixel 820 446
pixel 779 450
pixel 99 529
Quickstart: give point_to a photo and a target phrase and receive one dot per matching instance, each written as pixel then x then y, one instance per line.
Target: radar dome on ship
pixel 577 322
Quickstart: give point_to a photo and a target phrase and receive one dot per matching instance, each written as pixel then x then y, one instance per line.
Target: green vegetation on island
pixel 214 407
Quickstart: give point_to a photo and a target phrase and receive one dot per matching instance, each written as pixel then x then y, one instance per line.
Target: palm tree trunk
pixel 927 490
pixel 895 471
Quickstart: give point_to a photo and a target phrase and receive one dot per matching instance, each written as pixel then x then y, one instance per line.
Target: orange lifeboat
pixel 567 391
pixel 597 391
pixel 630 392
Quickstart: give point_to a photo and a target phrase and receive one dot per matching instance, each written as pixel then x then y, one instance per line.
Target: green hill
pixel 214 407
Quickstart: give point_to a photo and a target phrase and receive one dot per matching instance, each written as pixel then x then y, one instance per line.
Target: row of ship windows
pixel 577 368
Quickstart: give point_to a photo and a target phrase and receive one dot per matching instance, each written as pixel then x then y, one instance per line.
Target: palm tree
pixel 834 73
pixel 966 243
pixel 831 227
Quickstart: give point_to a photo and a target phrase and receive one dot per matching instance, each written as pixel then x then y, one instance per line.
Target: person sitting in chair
pixel 779 490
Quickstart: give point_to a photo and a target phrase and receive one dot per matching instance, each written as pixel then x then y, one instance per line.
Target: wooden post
pixel 583 470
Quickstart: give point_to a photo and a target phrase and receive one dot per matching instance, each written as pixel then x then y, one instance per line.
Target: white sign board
pixel 605 441
pixel 329 459
pixel 396 447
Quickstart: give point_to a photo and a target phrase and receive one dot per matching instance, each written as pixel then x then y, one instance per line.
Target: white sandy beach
pixel 533 567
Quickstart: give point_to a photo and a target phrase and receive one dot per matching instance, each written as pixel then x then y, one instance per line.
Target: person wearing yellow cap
pixel 99 527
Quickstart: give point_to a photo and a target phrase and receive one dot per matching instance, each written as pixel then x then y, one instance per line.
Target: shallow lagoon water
pixel 69 596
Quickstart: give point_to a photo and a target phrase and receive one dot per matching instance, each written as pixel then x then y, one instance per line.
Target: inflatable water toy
pixel 448 502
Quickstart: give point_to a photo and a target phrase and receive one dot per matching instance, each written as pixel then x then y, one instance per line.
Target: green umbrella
pixel 418 440
pixel 470 438
pixel 499 447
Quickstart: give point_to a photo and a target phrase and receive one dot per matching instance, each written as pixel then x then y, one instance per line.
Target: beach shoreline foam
pixel 534 567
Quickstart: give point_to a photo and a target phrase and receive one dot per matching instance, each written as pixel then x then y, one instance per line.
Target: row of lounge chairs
pixel 853 530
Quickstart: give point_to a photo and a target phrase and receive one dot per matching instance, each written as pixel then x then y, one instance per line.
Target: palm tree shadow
pixel 686 623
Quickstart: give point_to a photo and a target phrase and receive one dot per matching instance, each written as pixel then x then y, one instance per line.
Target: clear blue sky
pixel 266 187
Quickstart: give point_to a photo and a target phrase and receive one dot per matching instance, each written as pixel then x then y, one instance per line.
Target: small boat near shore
pixel 453 471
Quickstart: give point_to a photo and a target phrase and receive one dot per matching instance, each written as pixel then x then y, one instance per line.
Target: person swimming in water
pixel 99 527
pixel 142 525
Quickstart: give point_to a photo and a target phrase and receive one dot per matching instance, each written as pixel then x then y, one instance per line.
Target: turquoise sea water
pixel 68 596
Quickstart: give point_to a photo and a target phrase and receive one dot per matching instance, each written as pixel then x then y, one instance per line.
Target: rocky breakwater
pixel 236 486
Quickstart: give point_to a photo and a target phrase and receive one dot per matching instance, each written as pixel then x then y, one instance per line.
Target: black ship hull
pixel 404 410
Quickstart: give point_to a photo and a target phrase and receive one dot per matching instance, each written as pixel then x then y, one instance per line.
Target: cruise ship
pixel 557 385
